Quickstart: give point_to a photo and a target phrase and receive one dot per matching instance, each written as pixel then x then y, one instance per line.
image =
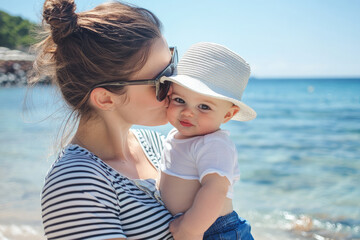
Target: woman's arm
pixel 206 208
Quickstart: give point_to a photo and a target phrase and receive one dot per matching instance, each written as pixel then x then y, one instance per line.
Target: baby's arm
pixel 206 208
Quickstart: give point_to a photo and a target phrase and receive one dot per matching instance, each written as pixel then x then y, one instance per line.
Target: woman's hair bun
pixel 61 16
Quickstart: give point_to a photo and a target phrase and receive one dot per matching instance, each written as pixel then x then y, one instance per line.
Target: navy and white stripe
pixel 84 198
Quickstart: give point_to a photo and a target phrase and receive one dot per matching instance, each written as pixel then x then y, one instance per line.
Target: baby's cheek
pixel 171 112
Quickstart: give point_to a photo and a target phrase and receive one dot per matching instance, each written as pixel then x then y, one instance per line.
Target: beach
pixel 299 159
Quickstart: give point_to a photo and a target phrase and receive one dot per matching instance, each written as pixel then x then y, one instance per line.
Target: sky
pixel 278 38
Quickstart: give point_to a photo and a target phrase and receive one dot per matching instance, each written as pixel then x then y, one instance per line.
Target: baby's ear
pixel 232 111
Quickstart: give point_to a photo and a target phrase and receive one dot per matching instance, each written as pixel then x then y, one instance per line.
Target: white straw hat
pixel 214 70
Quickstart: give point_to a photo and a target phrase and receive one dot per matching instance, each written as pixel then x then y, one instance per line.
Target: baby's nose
pixel 187 112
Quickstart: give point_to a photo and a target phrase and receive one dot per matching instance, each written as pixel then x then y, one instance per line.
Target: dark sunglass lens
pixel 169 70
pixel 163 90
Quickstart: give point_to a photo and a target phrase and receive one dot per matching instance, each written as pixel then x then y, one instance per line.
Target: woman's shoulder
pixel 75 155
pixel 77 162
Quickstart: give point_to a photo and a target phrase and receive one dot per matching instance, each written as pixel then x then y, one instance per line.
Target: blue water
pixel 299 159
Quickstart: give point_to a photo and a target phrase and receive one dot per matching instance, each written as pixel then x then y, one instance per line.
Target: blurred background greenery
pixel 16 32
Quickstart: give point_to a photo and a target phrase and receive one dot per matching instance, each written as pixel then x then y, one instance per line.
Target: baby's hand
pixel 182 234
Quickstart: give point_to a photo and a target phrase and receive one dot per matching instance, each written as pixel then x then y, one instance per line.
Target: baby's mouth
pixel 186 123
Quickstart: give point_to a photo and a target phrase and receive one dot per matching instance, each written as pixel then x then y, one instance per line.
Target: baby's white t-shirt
pixel 194 158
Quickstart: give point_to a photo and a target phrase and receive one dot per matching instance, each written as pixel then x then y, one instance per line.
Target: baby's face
pixel 193 114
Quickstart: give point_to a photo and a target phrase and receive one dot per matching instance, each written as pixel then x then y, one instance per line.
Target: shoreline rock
pixel 14 67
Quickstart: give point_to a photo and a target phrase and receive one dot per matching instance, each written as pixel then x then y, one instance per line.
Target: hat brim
pixel 246 113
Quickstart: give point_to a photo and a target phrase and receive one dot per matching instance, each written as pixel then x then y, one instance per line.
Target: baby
pixel 199 165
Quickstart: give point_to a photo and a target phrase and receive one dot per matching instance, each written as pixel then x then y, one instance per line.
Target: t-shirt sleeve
pixel 217 156
pixel 79 202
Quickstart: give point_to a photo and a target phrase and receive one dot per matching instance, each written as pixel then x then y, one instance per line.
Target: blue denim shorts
pixel 229 227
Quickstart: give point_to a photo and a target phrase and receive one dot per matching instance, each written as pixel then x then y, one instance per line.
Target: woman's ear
pixel 102 99
pixel 232 111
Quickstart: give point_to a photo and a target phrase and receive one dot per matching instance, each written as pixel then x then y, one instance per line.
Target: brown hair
pixel 79 50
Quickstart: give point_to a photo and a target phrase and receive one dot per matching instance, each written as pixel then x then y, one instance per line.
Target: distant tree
pixel 15 32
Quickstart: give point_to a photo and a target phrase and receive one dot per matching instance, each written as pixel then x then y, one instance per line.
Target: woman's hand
pixel 182 234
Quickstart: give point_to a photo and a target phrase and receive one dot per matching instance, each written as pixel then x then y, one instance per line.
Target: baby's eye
pixel 179 100
pixel 204 107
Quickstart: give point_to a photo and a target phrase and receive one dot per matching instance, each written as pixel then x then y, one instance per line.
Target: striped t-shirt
pixel 84 198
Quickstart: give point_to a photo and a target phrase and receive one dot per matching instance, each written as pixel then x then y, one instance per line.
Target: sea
pixel 299 159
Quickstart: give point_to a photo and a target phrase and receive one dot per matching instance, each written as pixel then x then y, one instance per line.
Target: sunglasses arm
pixel 125 83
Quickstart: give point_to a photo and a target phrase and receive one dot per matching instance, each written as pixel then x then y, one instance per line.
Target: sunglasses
pixel 162 89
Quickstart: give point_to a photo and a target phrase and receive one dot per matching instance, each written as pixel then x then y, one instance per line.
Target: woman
pixel 107 63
